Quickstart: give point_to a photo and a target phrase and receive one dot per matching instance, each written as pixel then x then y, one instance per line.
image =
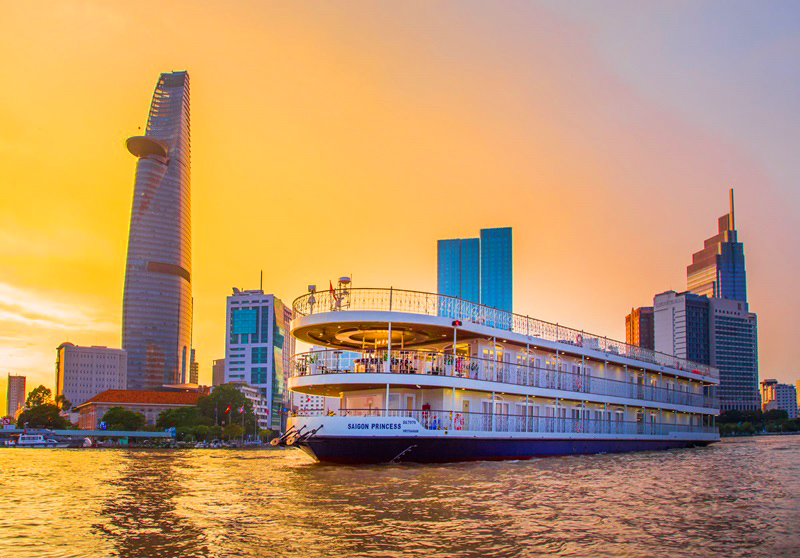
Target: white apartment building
pixel 83 372
pixel 260 405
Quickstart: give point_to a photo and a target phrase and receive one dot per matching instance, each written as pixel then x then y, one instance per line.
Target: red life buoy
pixel 459 423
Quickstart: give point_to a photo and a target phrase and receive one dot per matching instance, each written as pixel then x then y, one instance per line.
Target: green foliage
pixel 182 416
pixel 63 403
pixel 42 416
pixel 119 418
pixel 39 396
pixel 201 432
pixel 775 414
pixel 233 432
pixel 213 407
pixel 743 423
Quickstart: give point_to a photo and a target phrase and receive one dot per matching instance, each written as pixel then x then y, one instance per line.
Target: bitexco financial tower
pixel 157 303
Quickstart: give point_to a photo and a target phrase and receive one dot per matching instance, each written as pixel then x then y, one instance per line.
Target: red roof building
pixel 148 403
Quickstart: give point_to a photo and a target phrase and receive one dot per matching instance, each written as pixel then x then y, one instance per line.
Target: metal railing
pixel 487 422
pixel 431 304
pixel 474 368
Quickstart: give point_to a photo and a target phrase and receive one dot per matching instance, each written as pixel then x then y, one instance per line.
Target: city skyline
pixel 306 147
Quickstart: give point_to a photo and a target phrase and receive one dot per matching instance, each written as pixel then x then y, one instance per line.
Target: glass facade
pixel 459 268
pixel 496 280
pixel 259 347
pixel 718 271
pixel 477 269
pixel 734 350
pixel 157 301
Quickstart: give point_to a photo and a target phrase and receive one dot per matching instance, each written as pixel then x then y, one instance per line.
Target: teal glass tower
pixel 496 281
pixel 459 268
pixel 157 301
pixel 477 269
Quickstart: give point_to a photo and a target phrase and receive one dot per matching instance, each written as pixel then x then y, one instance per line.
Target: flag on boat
pixel 333 293
pixel 227 410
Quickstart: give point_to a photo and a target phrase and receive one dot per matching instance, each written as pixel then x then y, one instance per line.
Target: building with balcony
pixel 83 372
pixel 157 301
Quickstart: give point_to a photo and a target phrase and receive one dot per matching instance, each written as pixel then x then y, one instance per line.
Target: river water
pixel 735 498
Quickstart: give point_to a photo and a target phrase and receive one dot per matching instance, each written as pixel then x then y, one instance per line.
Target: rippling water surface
pixel 735 498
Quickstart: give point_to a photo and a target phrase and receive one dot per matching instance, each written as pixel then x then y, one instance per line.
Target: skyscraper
pixel 15 396
pixel 458 265
pixel 258 346
pixel 717 271
pixel 496 281
pixel 157 304
pixel 477 269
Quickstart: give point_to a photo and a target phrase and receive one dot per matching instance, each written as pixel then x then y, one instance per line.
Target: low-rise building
pixel 260 405
pixel 148 403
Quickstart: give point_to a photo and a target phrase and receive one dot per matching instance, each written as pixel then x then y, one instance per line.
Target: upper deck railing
pixel 552 375
pixel 430 304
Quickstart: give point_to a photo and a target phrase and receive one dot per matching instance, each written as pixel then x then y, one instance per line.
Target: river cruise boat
pixel 423 377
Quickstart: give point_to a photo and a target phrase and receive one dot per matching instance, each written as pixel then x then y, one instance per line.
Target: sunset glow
pixel 346 138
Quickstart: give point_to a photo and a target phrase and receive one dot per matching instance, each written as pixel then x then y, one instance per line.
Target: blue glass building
pixel 496 281
pixel 477 269
pixel 717 271
pixel 459 268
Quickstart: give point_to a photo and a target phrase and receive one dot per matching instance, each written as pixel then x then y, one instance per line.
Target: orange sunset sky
pixel 332 138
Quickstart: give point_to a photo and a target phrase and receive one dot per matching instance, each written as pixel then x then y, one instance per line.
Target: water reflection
pixel 738 498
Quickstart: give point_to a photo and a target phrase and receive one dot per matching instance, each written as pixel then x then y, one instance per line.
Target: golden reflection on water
pixel 735 498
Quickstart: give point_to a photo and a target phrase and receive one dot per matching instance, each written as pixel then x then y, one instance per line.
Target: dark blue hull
pixel 444 450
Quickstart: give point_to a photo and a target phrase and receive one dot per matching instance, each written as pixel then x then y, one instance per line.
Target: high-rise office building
pixel 496 280
pixel 733 340
pixel 459 269
pixel 681 326
pixel 478 269
pixel 15 395
pixel 218 372
pixel 717 271
pixel 639 328
pixel 157 303
pixel 782 397
pixel 258 346
pixel 83 372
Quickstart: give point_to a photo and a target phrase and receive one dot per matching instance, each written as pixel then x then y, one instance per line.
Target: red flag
pixel 228 410
pixel 333 293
